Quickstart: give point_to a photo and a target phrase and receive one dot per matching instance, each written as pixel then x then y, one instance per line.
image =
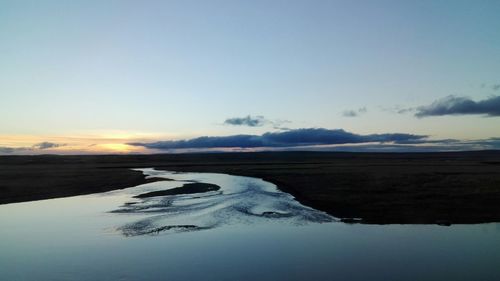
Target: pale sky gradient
pixel 161 70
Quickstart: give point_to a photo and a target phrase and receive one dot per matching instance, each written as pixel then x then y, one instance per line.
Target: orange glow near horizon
pixel 87 144
pixel 119 147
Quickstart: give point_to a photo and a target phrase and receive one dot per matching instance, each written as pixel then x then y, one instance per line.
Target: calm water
pixel 247 230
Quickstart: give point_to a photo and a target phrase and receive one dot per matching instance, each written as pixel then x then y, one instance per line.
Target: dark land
pixel 187 188
pixel 444 188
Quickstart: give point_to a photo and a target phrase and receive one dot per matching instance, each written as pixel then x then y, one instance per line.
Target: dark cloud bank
pixel 319 139
pixel 291 138
pixel 453 105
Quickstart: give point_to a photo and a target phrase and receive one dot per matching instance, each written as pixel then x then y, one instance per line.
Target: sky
pixel 165 76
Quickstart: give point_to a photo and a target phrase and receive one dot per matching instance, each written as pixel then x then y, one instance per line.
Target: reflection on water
pixel 76 238
pixel 240 200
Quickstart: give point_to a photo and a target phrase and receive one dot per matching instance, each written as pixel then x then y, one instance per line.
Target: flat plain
pixel 380 188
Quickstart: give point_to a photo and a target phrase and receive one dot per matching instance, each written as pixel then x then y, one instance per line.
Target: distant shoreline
pixel 381 188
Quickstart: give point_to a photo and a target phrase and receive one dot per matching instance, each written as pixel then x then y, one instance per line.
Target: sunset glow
pixel 119 148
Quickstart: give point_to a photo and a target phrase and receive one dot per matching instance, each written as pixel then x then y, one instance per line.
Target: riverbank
pixel 380 188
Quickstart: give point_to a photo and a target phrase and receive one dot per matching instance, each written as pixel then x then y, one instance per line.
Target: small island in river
pixel 187 188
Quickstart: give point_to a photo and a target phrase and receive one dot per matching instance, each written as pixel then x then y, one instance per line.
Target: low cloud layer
pixel 422 146
pixel 453 105
pixel 9 150
pixel 246 121
pixel 291 138
pixel 302 139
pixel 31 149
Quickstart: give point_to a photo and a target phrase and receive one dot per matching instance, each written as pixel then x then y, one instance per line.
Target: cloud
pixel 349 113
pixel 354 113
pixel 495 87
pixel 290 138
pixel 11 150
pixel 453 105
pixel 5 149
pixel 31 149
pixel 47 145
pixel 257 121
pixel 423 146
pixel 397 109
pixel 279 124
pixel 491 143
pixel 246 121
pixel 405 110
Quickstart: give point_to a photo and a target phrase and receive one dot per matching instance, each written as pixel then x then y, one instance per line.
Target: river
pixel 246 230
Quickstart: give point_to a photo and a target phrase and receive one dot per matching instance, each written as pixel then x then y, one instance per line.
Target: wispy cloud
pixel 246 121
pixel 354 113
pixel 291 138
pixel 47 145
pixel 453 105
pixel 349 113
pixel 419 146
pixel 280 124
pixel 405 110
pixel 29 149
pixel 257 121
pixel 397 109
pixel 495 87
pixel 9 150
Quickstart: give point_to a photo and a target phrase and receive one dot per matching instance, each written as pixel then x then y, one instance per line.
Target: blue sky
pixel 167 70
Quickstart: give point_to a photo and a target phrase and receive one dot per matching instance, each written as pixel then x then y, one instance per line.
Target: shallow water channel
pixel 245 230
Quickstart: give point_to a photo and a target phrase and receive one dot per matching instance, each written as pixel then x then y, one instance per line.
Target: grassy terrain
pixel 459 187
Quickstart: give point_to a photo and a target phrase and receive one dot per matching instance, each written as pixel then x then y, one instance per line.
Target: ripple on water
pixel 237 200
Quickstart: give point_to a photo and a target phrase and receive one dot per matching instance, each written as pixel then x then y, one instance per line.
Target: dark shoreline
pixel 381 188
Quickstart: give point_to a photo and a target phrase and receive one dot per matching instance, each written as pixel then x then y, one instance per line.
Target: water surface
pixel 239 201
pixel 247 230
